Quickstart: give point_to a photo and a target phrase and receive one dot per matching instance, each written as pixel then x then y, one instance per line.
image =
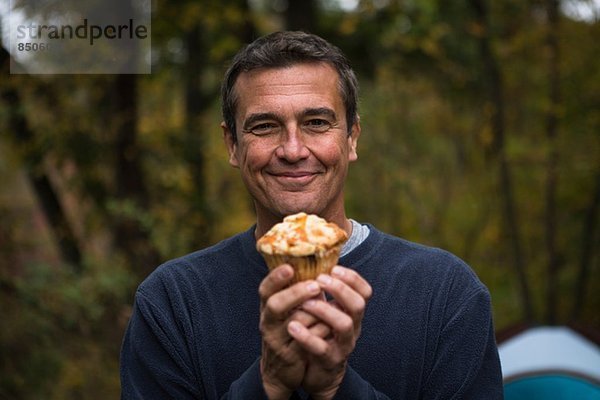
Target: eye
pixel 262 129
pixel 318 125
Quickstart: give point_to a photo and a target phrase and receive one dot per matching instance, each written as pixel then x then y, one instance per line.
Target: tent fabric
pixel 551 387
pixel 545 349
pixel 550 363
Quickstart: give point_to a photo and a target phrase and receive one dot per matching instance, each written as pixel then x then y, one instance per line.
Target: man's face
pixel 293 147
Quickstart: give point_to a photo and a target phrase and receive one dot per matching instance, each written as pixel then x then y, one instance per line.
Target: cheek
pixel 332 153
pixel 254 156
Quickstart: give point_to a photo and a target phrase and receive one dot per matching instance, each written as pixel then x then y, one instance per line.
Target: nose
pixel 292 147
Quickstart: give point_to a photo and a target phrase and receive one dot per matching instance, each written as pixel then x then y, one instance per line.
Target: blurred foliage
pixel 428 167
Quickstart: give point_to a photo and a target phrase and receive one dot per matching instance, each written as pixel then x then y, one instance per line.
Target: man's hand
pixel 283 361
pixel 328 354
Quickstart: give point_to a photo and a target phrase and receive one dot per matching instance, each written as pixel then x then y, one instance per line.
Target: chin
pixel 285 210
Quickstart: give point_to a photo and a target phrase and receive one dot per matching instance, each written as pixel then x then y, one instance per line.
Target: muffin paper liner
pixel 306 267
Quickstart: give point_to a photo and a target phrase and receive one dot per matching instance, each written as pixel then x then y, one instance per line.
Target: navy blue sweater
pixel 427 332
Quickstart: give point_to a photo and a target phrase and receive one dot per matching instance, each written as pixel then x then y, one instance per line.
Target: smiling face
pixel 293 145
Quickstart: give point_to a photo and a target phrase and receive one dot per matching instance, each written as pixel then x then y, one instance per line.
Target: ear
pixel 353 140
pixel 231 143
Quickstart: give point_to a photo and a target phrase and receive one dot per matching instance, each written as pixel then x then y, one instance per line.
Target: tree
pixel 49 200
pixel 552 122
pixel 495 97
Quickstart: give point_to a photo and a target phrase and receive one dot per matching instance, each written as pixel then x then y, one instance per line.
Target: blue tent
pixel 548 363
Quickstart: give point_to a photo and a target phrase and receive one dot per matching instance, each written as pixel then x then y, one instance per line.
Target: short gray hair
pixel 283 49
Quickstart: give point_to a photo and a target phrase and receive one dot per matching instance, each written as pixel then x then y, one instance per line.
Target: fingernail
pixel 338 271
pixel 294 327
pixel 284 273
pixel 324 279
pixel 313 287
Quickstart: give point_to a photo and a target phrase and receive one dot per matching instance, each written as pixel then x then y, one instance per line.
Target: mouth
pixel 294 179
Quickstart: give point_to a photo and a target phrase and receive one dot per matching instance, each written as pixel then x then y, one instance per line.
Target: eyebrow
pixel 252 118
pixel 324 111
pixel 308 112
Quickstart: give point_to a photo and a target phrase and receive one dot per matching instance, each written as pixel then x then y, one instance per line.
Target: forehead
pixel 305 82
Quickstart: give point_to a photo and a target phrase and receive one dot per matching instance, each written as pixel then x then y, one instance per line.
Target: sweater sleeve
pixel 466 363
pixel 354 387
pixel 153 362
pixel 156 365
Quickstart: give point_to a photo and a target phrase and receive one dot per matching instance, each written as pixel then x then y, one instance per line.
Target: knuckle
pixel 283 355
pixel 321 330
pixel 368 292
pixel 321 352
pixel 262 292
pixel 262 327
pixel 273 306
pixel 339 286
pixel 359 283
pixel 265 288
pixel 352 276
pixel 358 306
pixel 346 324
pixel 304 318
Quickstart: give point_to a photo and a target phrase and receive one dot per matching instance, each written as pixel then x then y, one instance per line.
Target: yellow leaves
pixel 83 374
pixel 349 25
pixel 431 44
pixel 192 13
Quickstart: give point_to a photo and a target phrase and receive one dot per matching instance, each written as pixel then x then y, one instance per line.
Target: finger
pixel 276 280
pixel 280 305
pixel 312 323
pixel 339 321
pixel 321 330
pixel 354 280
pixel 304 318
pixel 306 339
pixel 345 295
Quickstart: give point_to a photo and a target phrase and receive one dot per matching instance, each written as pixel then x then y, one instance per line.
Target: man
pixel 394 320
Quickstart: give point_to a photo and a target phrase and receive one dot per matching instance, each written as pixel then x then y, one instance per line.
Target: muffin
pixel 307 242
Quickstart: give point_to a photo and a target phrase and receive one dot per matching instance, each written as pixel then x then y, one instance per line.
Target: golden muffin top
pixel 301 235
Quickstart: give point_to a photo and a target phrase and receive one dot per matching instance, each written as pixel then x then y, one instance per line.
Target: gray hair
pixel 283 49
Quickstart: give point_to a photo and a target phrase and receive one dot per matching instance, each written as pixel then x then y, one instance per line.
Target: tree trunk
pixel 552 161
pixel 245 31
pixel 198 97
pixel 194 143
pixel 589 243
pixel 494 93
pixel 45 193
pixel 131 236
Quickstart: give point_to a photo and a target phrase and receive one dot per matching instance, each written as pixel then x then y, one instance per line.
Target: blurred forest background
pixel 480 135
